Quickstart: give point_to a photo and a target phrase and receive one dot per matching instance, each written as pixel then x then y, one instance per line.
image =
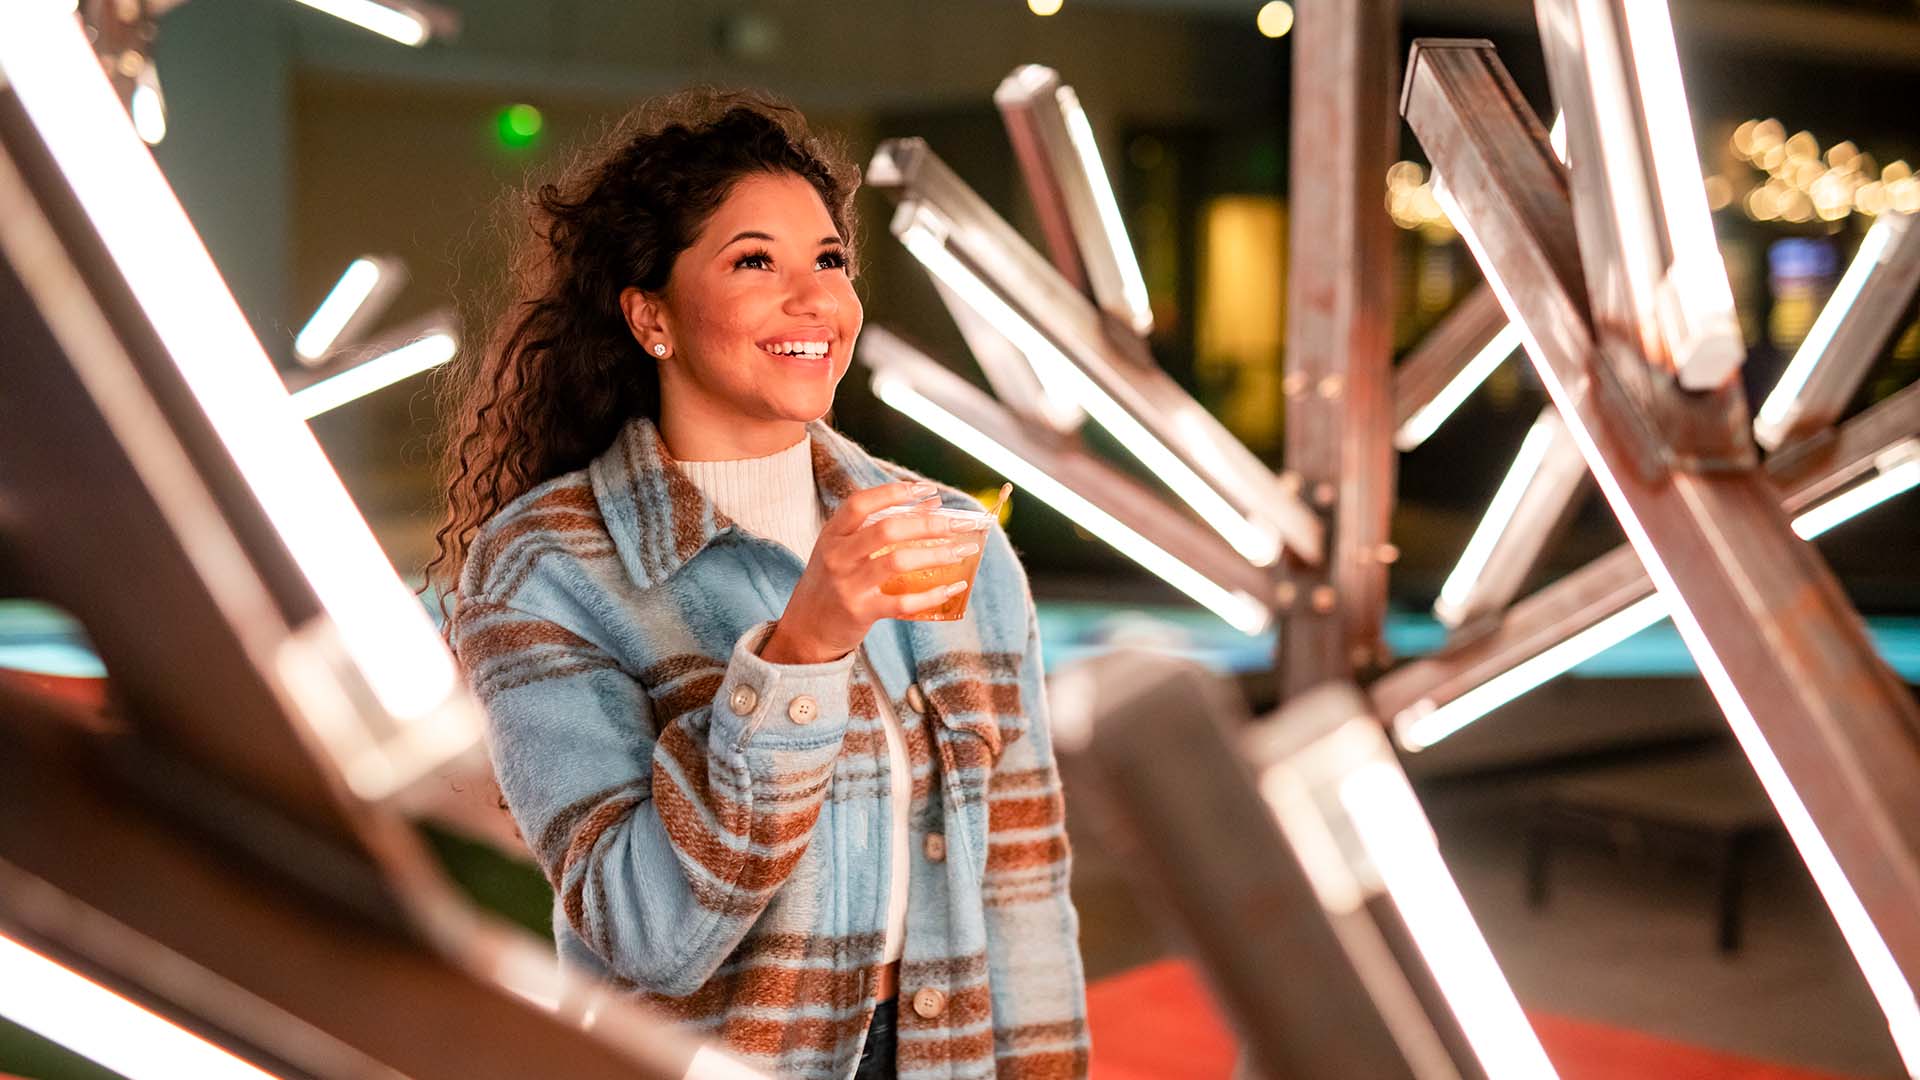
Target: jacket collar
pixel 659 519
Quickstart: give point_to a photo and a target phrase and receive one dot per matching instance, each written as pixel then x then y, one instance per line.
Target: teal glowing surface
pixel 37 638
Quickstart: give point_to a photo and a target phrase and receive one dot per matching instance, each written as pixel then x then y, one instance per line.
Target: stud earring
pixel 659 350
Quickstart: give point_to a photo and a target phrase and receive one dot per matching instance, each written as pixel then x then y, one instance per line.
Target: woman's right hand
pixel 838 598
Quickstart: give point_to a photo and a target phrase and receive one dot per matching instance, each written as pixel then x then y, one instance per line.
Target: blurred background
pixel 298 142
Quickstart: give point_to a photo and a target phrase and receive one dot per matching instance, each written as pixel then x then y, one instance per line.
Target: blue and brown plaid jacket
pixel 716 826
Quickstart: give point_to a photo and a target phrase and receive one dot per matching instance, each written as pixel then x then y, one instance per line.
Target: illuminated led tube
pixel 147 106
pixel 1072 191
pixel 387 634
pixel 1401 845
pixel 1898 470
pixel 1676 276
pixel 1259 542
pixel 1422 424
pixel 1423 724
pixel 105 1028
pixel 376 374
pixel 363 289
pixel 1329 777
pixel 1240 610
pixel 1862 312
pixel 1133 287
pixel 395 21
pixel 1499 516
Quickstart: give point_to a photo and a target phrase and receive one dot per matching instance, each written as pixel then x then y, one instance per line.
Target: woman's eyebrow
pixel 748 235
pixel 751 234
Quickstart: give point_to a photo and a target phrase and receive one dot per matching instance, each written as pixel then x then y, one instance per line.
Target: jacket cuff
pixel 780 706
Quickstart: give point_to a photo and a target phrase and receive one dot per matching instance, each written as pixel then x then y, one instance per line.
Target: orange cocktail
pixel 933 577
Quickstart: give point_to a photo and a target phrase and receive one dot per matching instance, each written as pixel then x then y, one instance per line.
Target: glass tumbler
pixel 933 577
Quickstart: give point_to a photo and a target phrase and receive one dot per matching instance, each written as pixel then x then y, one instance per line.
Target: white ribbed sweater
pixel 774 497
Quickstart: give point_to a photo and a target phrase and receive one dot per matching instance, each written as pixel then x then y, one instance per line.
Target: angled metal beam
pixel 1073 194
pixel 979 256
pixel 1133 518
pixel 1339 417
pixel 1854 325
pixel 1597 606
pixel 1537 497
pixel 1290 843
pixel 1828 726
pixel 1447 366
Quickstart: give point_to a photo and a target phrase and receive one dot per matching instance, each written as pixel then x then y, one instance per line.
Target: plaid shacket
pixel 721 848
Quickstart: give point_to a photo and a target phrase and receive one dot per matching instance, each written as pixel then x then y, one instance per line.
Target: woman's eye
pixel 834 260
pixel 757 260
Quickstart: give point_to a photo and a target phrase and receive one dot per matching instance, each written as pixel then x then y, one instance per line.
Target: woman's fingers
pixel 913 603
pixel 918 557
pixel 855 509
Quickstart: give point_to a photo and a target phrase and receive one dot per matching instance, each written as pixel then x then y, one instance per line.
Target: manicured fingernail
pixel 956 587
pixel 966 549
pixel 923 490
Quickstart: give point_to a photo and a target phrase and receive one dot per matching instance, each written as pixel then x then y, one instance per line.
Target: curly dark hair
pixel 559 373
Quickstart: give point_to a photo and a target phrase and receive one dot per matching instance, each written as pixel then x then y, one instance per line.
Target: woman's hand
pixel 838 598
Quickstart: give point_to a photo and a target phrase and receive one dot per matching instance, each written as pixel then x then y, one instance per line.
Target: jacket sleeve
pixel 663 845
pixel 1033 932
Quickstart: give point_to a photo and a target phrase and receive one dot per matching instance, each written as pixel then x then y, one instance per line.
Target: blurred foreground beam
pixel 1291 844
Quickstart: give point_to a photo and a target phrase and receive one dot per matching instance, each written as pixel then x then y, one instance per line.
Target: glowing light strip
pixel 1393 829
pixel 378 373
pixel 1243 612
pixel 1423 724
pixel 1884 978
pixel 1506 502
pixel 1259 542
pixel 331 317
pixel 1781 404
pixel 147 107
pixel 1899 472
pixel 1133 286
pixel 105 1028
pixel 1698 323
pixel 1427 420
pixel 53 71
pixel 404 26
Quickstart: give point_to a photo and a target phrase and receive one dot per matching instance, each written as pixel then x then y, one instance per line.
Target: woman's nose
pixel 808 295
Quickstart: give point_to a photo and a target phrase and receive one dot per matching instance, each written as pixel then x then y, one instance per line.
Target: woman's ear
pixel 646 319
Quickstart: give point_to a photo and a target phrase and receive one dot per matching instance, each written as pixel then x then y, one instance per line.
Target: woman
pixel 824 835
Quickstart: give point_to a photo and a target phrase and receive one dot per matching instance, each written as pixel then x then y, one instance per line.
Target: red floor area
pixel 1157 1022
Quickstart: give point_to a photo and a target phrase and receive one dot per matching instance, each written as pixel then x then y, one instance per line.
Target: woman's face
pixel 759 317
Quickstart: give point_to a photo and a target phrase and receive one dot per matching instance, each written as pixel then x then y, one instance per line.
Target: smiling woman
pixel 818 821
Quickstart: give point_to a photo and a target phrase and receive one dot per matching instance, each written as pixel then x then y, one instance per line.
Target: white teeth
pixel 813 349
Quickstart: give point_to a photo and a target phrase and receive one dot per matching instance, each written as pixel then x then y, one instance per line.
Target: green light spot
pixel 520 125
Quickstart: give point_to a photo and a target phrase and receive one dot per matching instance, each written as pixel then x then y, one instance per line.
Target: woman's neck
pixel 727 439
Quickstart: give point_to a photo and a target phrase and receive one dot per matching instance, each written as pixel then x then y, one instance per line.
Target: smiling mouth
pixel 810 354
